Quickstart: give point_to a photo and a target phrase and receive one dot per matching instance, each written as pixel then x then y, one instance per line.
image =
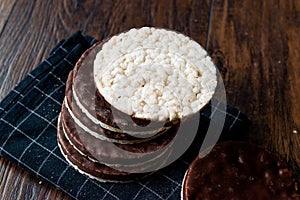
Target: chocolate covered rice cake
pixel 91 168
pixel 112 153
pixel 239 170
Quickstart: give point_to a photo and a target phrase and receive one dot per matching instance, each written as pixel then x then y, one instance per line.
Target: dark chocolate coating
pixel 239 170
pixel 95 169
pixel 107 151
pixel 88 95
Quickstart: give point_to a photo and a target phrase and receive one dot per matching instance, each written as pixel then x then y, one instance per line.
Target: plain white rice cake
pixel 155 74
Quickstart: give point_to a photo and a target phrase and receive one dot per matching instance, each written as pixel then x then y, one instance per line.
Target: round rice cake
pixel 238 170
pixel 154 74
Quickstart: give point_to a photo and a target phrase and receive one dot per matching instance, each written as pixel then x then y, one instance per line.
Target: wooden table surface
pixel 255 45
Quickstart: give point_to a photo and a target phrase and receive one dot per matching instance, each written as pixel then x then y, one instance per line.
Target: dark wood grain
pixel 6 8
pixel 256 46
pixel 33 27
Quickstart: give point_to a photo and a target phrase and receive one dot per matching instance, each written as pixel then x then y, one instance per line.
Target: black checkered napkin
pixel 28 118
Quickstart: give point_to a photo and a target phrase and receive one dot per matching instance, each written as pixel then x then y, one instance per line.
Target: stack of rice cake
pixel 126 98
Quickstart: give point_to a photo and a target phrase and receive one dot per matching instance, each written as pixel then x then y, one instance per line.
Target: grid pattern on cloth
pixel 28 120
